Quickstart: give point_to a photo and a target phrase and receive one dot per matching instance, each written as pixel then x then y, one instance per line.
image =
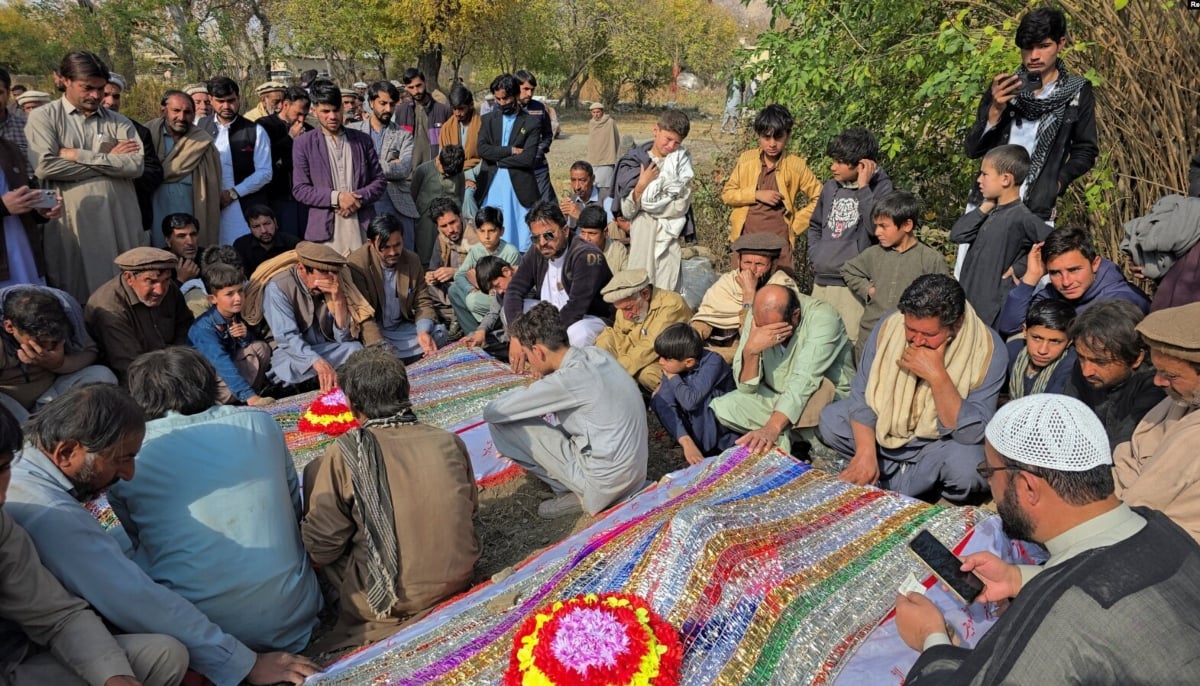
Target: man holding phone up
pixel 1043 108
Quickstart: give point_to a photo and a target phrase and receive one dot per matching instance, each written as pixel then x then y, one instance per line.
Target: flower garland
pixel 607 639
pixel 329 414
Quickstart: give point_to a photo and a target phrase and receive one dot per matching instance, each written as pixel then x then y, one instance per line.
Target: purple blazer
pixel 312 180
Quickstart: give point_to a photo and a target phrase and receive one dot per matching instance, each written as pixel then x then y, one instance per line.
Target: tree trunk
pixel 430 62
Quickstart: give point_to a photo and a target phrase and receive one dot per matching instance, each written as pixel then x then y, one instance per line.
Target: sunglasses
pixel 986 471
pixel 547 236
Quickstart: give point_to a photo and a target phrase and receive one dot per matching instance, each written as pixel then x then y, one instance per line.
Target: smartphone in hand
pixel 1030 82
pixel 48 200
pixel 946 566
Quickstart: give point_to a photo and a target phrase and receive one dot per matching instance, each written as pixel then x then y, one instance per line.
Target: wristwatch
pixel 233 194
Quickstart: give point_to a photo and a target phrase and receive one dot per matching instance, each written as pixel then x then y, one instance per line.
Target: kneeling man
pixel 595 454
pixel 643 312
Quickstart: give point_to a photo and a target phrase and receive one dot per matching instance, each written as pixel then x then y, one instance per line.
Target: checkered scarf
pixel 1049 112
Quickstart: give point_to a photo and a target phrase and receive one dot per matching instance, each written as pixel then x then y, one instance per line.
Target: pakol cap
pixel 33 96
pixel 767 244
pixel 625 284
pixel 1174 331
pixel 360 84
pixel 146 260
pixel 1052 431
pixel 194 88
pixel 319 256
pixel 117 80
pixel 271 87
pixel 596 106
pixel 347 92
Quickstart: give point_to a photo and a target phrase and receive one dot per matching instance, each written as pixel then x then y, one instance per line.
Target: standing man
pixel 1053 117
pixel 422 117
pixel 536 108
pixel 12 121
pixel 351 106
pixel 394 147
pixel 337 175
pixel 509 138
pixel 191 169
pixel 270 98
pixel 201 100
pixel 245 157
pixel 604 147
pixel 463 130
pixel 86 152
pixel 152 172
pixel 282 128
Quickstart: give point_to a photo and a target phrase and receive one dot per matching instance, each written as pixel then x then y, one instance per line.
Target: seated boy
pixel 467 297
pixel 762 189
pixel 593 227
pixel 1043 360
pixel 1000 232
pixel 224 339
pixel 880 273
pixel 493 275
pixel 692 376
pixel 389 508
pixel 652 186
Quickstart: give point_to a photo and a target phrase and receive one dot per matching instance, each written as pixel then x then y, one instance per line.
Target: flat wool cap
pixel 117 80
pixel 146 260
pixel 33 96
pixel 360 84
pixel 271 87
pixel 348 93
pixel 195 88
pixel 596 106
pixel 1175 331
pixel 1052 431
pixel 767 244
pixel 625 284
pixel 319 256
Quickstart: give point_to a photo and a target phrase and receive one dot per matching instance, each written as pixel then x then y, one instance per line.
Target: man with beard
pixel 1158 467
pixel 191 169
pixel 643 312
pixel 1115 602
pixel 565 271
pixel 393 282
pixel 282 128
pixel 270 98
pixel 201 100
pixel 152 172
pixel 449 254
pixel 139 310
pixel 245 154
pixel 394 147
pixel 537 109
pixel 727 302
pixel 422 117
pixel 793 359
pixel 181 233
pixel 508 144
pixel 604 147
pixel 86 152
pixel 78 446
pixel 265 240
pixel 352 111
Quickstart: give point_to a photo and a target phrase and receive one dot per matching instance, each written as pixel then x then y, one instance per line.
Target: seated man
pixel 179 237
pixel 1043 360
pixel 643 312
pixel 793 359
pixel 1077 275
pixel 692 378
pixel 1115 602
pixel 449 253
pixel 389 508
pixel 44 348
pixel 584 194
pixel 36 611
pixel 493 275
pixel 565 271
pixel 593 228
pixel 234 551
pixel 1113 375
pixel 596 453
pixel 1157 467
pixel 139 310
pixel 307 308
pixel 725 305
pixel 232 348
pixel 264 241
pixel 393 282
pixel 79 445
pixel 926 387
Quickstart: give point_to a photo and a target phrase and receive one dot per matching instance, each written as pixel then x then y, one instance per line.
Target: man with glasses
pixel 566 271
pixel 1113 604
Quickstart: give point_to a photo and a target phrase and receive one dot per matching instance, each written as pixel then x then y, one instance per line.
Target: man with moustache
pixel 527 83
pixel 201 100
pixel 270 98
pixel 282 129
pixel 1114 602
pixel 245 157
pixel 152 173
pixel 191 169
pixel 422 117
pixel 394 147
pixel 584 192
pixel 643 312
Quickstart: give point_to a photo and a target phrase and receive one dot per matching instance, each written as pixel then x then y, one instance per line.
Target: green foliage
pixel 27 47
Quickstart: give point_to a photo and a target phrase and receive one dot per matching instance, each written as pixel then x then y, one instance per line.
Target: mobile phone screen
pixel 943 563
pixel 48 200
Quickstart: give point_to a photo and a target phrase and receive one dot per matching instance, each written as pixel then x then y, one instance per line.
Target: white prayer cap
pixel 1052 431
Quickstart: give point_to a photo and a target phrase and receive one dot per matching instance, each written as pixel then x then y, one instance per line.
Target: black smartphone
pixel 1030 82
pixel 946 566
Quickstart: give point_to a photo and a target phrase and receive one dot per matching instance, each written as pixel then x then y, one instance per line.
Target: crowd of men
pixel 158 276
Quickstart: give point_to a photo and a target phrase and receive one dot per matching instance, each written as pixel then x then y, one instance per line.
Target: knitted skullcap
pixel 1052 431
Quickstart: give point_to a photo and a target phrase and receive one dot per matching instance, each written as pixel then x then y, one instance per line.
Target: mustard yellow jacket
pixel 793 177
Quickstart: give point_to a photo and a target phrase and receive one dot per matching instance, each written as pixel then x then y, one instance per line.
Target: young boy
pixel 763 186
pixel 692 377
pixel 593 225
pixel 467 296
pixel 264 241
pixel 652 186
pixel 1043 360
pixel 1000 232
pixel 840 228
pixel 493 275
pixel 880 273
pixel 224 339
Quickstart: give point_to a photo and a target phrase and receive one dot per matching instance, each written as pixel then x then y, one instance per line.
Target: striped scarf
pixel 1016 378
pixel 368 476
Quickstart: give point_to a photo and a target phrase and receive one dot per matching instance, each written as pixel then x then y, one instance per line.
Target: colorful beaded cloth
pixel 771 572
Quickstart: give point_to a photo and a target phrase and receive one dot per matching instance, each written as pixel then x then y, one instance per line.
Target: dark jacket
pixel 1121 407
pixel 1194 177
pixel 1110 284
pixel 1073 154
pixel 527 135
pixel 584 273
pixel 629 167
pixel 841 226
pixel 150 180
pixel 280 187
pixel 15 167
pixel 243 135
pixel 537 110
pixel 253 253
pixel 438 112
